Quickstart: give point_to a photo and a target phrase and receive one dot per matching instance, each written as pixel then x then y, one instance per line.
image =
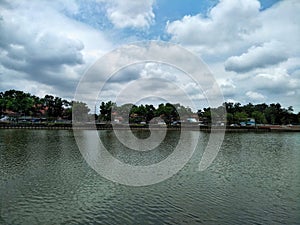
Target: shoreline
pixel 259 129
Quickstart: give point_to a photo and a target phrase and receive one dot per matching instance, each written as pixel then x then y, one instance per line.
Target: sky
pixel 251 47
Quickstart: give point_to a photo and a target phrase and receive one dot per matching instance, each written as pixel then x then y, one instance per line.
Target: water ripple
pixel 254 180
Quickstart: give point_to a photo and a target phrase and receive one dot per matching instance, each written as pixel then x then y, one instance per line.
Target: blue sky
pixel 251 47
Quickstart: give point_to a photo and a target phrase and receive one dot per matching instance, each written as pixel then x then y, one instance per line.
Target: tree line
pixel 18 103
pixel 235 113
pixel 130 113
pixel 262 113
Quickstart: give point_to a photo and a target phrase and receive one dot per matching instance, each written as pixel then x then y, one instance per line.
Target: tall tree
pixel 80 111
pixel 105 110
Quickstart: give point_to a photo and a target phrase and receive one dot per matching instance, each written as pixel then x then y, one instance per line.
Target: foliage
pixel 17 104
pixel 80 111
pixel 105 111
pixel 262 113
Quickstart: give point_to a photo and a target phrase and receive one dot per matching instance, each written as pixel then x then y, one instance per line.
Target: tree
pixel 273 113
pixel 17 101
pixel 80 111
pixel 150 112
pixel 48 101
pixel 2 103
pixel 240 117
pixel 261 107
pixel 169 113
pixel 183 111
pixel 58 107
pixel 237 107
pixel 229 107
pixel 124 111
pixel 207 115
pixel 259 117
pixel 219 113
pixel 248 109
pixel 229 118
pixel 67 113
pixel 105 110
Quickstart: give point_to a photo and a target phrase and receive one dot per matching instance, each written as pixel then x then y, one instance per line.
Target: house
pixel 250 122
pixel 191 120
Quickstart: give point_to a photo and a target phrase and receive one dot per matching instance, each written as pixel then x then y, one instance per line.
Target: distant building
pixel 191 120
pixel 118 119
pixel 250 122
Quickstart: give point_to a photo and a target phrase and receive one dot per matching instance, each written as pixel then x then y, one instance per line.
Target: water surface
pixel 255 179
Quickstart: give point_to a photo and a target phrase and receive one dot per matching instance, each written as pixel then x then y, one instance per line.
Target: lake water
pixel 44 179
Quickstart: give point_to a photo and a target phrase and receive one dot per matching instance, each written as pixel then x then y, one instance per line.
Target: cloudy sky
pixel 251 47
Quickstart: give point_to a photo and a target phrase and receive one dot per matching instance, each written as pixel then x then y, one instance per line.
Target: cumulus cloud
pixel 225 25
pixel 234 27
pixel 130 13
pixel 150 79
pixel 277 83
pixel 228 87
pixel 256 49
pixel 44 46
pixel 254 52
pixel 269 53
pixel 126 75
pixel 255 96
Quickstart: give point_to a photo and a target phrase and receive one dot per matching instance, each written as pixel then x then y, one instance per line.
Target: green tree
pixel 80 111
pixel 240 117
pixel 248 109
pixel 219 113
pixel 183 111
pixel 2 103
pixel 207 115
pixel 105 111
pixel 123 111
pixel 229 118
pixel 58 107
pixel 55 106
pixel 168 112
pixel 17 101
pixel 259 117
pixel 48 101
pixel 150 112
pixel 273 113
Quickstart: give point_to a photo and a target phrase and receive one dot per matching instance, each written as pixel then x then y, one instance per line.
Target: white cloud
pixel 255 96
pixel 277 83
pixel 226 25
pixel 44 45
pixel 256 50
pixel 234 26
pixel 280 23
pixel 258 56
pixel 227 86
pixel 151 79
pixel 130 13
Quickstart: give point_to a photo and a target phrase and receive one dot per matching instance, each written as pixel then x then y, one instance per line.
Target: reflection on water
pixel 133 157
pixel 255 179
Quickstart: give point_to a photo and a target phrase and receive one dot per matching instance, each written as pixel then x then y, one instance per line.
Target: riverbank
pixel 63 126
pixel 255 129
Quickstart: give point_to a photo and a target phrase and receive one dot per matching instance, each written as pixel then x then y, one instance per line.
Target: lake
pixel 44 179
